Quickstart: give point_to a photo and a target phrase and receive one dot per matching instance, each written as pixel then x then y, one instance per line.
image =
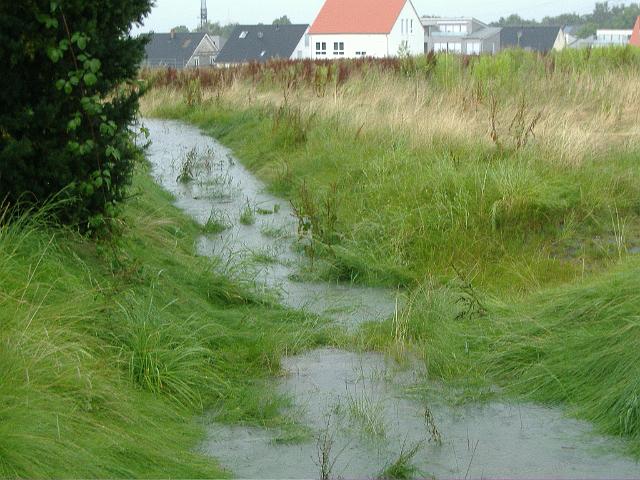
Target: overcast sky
pixel 170 13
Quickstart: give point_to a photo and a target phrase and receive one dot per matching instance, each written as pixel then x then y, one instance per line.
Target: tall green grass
pixel 577 346
pixel 110 351
pixel 513 220
pixel 518 256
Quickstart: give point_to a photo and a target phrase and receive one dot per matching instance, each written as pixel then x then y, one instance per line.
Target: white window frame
pixel 196 61
pixel 243 34
pixel 338 48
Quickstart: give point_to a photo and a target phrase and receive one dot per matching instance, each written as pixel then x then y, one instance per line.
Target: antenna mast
pixel 203 13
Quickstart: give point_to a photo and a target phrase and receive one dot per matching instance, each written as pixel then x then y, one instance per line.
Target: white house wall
pixel 375 45
pixel 303 49
pixel 561 41
pixel 414 39
pixel 354 45
pixel 204 54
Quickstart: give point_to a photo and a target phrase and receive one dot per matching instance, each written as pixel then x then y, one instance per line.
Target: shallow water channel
pixel 360 412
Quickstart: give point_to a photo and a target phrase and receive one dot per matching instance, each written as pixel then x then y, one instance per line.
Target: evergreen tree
pixel 68 97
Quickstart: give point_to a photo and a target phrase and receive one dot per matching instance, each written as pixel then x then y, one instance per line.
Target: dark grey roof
pixel 173 50
pixel 484 33
pixel 259 43
pixel 539 39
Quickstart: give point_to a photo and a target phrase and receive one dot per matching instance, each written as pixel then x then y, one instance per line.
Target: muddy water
pixel 224 188
pixel 372 417
pixel 356 408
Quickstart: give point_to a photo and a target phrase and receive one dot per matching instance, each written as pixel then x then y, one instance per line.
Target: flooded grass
pixel 402 468
pixel 266 256
pixel 456 327
pixel 276 232
pixel 248 215
pixel 366 411
pixel 488 440
pixel 478 237
pixel 217 222
pixel 107 385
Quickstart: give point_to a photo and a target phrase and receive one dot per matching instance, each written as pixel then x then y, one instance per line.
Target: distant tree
pixel 215 28
pixel 513 20
pixel 601 13
pixel 587 30
pixel 563 19
pixel 181 29
pixel 283 20
pixel 68 99
pixel 603 16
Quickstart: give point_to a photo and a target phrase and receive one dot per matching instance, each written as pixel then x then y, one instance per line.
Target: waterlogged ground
pixel 359 414
pixel 220 193
pixel 361 405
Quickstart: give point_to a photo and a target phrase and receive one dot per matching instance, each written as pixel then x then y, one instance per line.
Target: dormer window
pixel 244 34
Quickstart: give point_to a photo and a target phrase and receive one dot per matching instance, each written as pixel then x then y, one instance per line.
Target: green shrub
pixel 67 102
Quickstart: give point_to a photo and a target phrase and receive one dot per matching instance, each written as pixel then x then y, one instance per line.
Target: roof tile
pixel 357 16
pixel 635 36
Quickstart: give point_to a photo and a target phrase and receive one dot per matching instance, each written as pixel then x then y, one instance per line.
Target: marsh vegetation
pixel 501 192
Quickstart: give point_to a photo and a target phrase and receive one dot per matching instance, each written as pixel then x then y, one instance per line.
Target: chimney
pixel 173 34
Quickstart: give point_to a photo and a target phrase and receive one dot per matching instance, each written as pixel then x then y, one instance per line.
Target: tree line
pixel 603 16
pixel 216 28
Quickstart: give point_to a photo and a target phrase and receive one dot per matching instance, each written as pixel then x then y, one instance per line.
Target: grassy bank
pixel 110 351
pixel 536 185
pixel 503 191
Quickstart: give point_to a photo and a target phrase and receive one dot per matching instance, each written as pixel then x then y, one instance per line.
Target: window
pixel 306 41
pixel 321 48
pixel 411 28
pixel 212 60
pixel 196 61
pixel 474 48
pixel 338 48
pixel 450 47
pixel 263 53
pixel 456 28
pixel 244 34
pixel 402 26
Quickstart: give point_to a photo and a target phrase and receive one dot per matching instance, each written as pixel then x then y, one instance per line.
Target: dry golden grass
pixel 581 115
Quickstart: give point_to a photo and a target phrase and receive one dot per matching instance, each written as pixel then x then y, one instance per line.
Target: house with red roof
pixel 635 36
pixel 366 28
